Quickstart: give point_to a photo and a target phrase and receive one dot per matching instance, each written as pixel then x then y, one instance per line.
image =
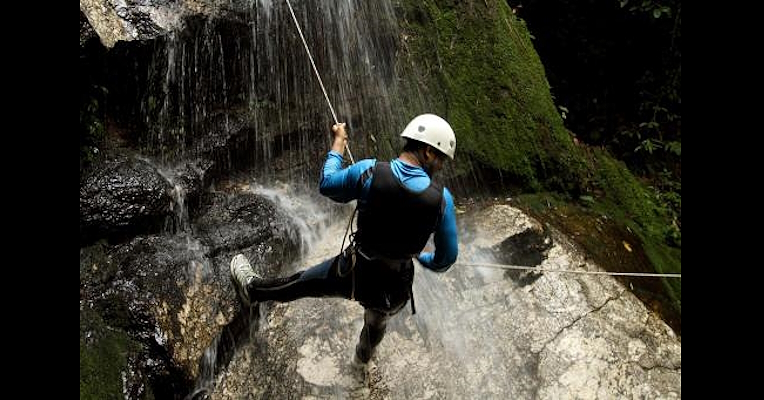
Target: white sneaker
pixel 242 274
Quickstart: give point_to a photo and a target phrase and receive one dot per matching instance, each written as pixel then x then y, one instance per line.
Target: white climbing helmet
pixel 433 130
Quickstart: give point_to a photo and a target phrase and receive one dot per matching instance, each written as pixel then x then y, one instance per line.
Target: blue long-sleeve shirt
pixel 341 185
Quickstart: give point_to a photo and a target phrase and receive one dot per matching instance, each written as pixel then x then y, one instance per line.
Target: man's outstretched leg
pixel 322 280
pixel 242 274
pixel 374 325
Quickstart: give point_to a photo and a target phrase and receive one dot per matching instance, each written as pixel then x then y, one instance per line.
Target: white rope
pixel 503 266
pixel 320 82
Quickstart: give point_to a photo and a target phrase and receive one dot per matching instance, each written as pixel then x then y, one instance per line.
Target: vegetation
pixel 475 63
pixel 92 130
pixel 615 67
pixel 616 243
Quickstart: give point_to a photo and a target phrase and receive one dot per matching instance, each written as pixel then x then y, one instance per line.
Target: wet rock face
pixel 189 183
pixel 122 197
pixel 120 20
pixel 86 30
pixel 225 142
pixel 172 294
pixel 131 20
pixel 127 288
pixel 528 248
pixel 247 221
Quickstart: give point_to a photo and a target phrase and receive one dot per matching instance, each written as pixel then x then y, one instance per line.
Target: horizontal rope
pixel 570 271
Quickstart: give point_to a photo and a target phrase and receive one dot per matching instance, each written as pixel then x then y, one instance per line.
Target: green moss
pixel 103 357
pixel 668 260
pixel 92 127
pixel 630 197
pixel 636 206
pixel 476 65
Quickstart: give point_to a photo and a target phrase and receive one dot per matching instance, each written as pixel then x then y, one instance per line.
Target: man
pixel 399 207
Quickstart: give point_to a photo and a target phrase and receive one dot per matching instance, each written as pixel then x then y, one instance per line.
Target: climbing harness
pixel 520 267
pixel 348 256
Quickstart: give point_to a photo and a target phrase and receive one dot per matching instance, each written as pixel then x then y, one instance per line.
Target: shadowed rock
pixel 173 294
pixel 122 197
pixel 247 221
pixel 125 21
pixel 528 248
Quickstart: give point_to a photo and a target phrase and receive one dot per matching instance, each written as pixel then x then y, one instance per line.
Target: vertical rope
pixel 320 82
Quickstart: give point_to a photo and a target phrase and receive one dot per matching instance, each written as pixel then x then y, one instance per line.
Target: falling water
pixel 246 86
pixel 311 216
pixel 241 89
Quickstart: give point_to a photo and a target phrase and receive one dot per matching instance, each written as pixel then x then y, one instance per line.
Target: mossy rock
pixel 104 354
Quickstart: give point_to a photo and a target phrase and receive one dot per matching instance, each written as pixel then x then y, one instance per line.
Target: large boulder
pixel 119 20
pixel 122 197
pixel 244 220
pixel 476 334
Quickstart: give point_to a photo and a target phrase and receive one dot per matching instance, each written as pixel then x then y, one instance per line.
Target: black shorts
pixel 382 288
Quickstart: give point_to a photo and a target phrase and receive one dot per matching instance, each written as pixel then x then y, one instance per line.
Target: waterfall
pixel 241 89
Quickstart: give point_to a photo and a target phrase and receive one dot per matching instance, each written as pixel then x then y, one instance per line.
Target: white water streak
pixel 317 225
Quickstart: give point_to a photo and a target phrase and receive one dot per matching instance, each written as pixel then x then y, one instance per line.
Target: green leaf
pixel 648 145
pixel 657 13
pixel 674 147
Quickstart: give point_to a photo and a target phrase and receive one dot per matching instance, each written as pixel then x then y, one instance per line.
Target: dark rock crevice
pixel 575 321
